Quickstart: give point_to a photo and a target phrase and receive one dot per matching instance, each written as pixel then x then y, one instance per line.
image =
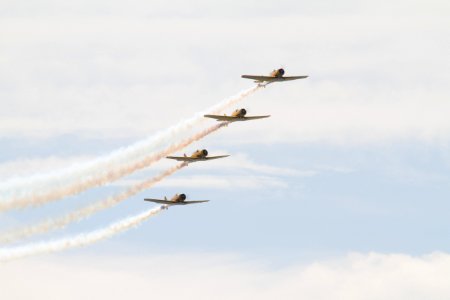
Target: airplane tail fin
pixel 165 198
pixel 185 155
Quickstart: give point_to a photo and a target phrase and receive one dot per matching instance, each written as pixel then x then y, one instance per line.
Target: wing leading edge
pixel 174 203
pixel 232 119
pixel 271 78
pixel 159 201
pixel 193 202
pixel 190 159
pixel 256 117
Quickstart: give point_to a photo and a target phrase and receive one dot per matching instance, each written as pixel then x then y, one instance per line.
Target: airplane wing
pixel 231 119
pixel 259 78
pixel 168 202
pixel 220 118
pixel 181 158
pixel 256 117
pixel 190 159
pixel 287 78
pixel 271 78
pixel 215 157
pixel 160 201
pixel 193 202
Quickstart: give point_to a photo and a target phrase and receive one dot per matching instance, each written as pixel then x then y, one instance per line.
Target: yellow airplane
pixel 237 115
pixel 199 155
pixel 274 76
pixel 178 199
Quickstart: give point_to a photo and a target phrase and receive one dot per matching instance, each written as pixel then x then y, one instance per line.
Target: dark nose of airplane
pixel 243 111
pixel 281 72
pixel 183 197
pixel 205 152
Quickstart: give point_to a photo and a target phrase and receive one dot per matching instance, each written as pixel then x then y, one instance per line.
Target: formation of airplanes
pixel 238 115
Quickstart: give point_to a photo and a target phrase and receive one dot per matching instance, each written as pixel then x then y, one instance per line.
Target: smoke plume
pixel 84 212
pixel 78 186
pixel 80 240
pixel 36 190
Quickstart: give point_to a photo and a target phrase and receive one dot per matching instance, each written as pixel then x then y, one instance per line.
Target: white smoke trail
pixel 102 178
pixel 88 175
pixel 80 240
pixel 84 212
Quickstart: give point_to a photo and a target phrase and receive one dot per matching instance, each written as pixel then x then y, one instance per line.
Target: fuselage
pixel 178 198
pixel 200 154
pixel 239 113
pixel 277 73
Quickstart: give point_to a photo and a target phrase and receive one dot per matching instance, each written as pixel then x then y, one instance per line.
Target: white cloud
pixel 236 171
pixel 345 116
pixel 203 8
pixel 231 170
pixel 377 77
pixel 242 162
pixel 206 276
pixel 216 182
pixel 33 166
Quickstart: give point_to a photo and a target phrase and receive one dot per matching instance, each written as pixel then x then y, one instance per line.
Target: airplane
pixel 199 155
pixel 274 76
pixel 237 115
pixel 178 199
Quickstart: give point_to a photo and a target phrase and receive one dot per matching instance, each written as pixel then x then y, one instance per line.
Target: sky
pixel 341 193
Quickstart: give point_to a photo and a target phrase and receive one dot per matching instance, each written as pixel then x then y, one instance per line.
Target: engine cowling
pixel 200 153
pixel 182 197
pixel 280 72
pixel 239 113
